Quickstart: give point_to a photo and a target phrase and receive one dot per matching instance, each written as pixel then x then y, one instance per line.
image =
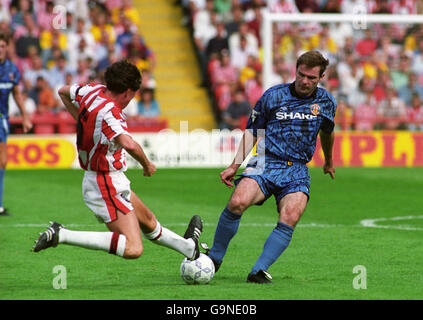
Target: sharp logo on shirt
pixel 294 115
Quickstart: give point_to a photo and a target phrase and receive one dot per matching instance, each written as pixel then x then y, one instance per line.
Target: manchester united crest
pixel 315 109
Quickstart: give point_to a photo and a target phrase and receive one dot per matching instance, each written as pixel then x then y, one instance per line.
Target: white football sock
pixel 111 242
pixel 167 238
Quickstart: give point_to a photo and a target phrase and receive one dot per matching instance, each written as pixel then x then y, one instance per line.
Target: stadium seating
pixel 382 56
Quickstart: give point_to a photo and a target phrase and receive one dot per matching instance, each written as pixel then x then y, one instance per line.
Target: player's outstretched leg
pixel 187 245
pixel 154 231
pixel 56 233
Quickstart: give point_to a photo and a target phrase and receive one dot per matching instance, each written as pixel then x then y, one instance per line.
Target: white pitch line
pixel 366 223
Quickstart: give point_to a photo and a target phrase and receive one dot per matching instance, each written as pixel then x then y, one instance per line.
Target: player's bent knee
pixel 133 252
pixel 237 204
pixel 291 217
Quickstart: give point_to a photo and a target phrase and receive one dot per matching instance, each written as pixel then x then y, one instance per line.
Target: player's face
pixel 306 80
pixel 3 50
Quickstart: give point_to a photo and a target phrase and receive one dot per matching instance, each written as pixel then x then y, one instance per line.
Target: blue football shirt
pixel 291 123
pixel 9 77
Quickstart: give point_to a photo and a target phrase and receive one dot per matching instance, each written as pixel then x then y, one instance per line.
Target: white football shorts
pixel 105 193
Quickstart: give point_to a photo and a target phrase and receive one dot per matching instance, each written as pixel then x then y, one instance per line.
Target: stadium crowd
pixel 376 73
pixel 64 42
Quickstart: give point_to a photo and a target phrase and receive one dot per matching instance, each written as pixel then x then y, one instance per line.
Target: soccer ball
pixel 199 271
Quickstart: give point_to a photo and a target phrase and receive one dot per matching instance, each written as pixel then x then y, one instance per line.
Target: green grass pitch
pixel 328 243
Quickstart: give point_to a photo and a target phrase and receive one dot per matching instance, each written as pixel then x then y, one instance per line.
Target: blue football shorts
pixel 279 179
pixel 4 129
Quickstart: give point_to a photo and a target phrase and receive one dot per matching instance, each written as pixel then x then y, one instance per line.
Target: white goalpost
pixel 359 21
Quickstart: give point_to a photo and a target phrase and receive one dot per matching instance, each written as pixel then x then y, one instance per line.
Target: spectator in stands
pixel 239 55
pixel 250 70
pixel 148 107
pixel 392 110
pixel 237 110
pixel 37 70
pixel 243 32
pixel 331 6
pixel 399 72
pixel 366 45
pixel 80 43
pixel 361 94
pixel 82 52
pixel 224 73
pixel 138 53
pixel 415 114
pixel 282 6
pixel 57 73
pixel 124 36
pixel 44 96
pixel 45 15
pixel 417 59
pixel 237 18
pixel 344 114
pixel 223 8
pixel 4 12
pixel 255 23
pixel 352 6
pixel 53 44
pixel 18 10
pixel 303 5
pixel 219 42
pixel 365 113
pixel 254 88
pixel 204 26
pixel 26 36
pixel 100 24
pixel 84 70
pixel 350 73
pixel 280 73
pixel 405 93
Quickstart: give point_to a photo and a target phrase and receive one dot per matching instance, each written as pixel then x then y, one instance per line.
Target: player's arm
pixel 327 140
pixel 246 145
pixel 26 122
pixel 64 94
pixel 135 150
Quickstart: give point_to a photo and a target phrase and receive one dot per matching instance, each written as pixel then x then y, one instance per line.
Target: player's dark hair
pixel 121 76
pixel 313 59
pixel 4 37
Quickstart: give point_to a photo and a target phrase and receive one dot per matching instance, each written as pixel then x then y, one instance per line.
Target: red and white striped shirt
pixel 100 121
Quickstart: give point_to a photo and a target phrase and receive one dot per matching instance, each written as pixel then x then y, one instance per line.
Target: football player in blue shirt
pixel 9 79
pixel 285 124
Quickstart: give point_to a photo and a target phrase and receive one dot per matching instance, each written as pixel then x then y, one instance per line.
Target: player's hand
pixel 328 168
pixel 227 176
pixel 26 125
pixel 149 170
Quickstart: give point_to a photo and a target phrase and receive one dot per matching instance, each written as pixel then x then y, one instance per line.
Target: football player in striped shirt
pixel 285 124
pixel 9 80
pixel 102 142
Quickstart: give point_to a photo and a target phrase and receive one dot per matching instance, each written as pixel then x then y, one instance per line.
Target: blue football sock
pixel 275 244
pixel 1 186
pixel 225 231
